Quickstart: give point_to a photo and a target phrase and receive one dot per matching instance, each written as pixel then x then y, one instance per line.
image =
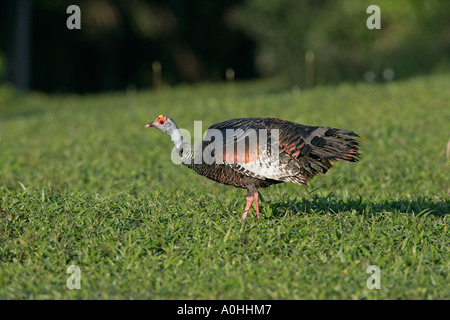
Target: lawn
pixel 83 183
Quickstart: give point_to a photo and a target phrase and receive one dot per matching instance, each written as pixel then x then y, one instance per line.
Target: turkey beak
pixel 149 125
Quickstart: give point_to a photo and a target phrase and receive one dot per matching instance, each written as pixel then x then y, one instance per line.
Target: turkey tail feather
pixel 338 146
pixel 300 141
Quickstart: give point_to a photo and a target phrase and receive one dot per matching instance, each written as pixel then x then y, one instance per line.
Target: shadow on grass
pixel 332 204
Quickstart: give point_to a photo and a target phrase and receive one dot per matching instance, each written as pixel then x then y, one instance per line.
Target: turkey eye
pixel 161 122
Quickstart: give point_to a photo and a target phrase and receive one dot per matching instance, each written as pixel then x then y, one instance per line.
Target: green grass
pixel 82 182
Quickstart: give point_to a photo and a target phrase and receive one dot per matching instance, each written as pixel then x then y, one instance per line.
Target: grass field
pixel 83 183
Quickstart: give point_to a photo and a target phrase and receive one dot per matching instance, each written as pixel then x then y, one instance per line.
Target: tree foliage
pixel 413 39
pixel 199 40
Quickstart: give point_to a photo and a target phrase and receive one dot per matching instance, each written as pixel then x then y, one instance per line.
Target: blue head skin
pixel 167 125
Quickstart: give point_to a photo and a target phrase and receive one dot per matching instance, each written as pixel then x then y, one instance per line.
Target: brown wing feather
pixel 237 133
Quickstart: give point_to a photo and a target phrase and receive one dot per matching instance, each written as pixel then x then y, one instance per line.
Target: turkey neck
pixel 177 139
pixel 184 149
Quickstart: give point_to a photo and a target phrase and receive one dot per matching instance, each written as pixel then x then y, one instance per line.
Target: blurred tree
pixel 19 47
pixel 279 27
pixel 414 37
pixel 198 40
pixel 120 39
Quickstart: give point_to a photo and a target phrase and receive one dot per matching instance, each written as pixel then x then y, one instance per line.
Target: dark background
pixel 198 40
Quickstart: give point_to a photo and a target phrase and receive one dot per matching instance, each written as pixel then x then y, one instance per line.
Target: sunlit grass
pixel 83 182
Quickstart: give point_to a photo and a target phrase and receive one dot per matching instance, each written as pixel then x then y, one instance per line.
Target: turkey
pixel 254 153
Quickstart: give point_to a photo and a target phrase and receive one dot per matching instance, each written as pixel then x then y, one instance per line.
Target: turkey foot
pixel 250 200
